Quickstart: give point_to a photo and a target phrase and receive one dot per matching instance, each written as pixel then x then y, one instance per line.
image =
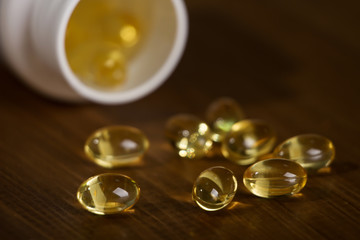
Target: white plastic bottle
pixel 32 35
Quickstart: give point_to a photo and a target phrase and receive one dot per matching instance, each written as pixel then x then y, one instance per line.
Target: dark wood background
pixel 294 64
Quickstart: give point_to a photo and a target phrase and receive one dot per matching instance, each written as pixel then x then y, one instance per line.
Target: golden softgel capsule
pixel 274 177
pixel 190 136
pixel 99 41
pixel 108 193
pixel 116 146
pixel 221 115
pixel 247 140
pixel 311 151
pixel 214 188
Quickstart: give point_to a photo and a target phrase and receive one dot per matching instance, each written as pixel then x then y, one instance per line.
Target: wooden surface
pixel 294 64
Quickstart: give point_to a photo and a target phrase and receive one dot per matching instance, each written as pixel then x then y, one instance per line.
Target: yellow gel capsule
pixel 120 29
pixel 274 177
pixel 247 140
pixel 221 115
pixel 99 66
pixel 190 136
pixel 99 41
pixel 116 146
pixel 214 188
pixel 311 151
pixel 108 193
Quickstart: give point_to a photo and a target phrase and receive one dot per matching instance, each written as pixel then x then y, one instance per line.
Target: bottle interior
pixel 101 39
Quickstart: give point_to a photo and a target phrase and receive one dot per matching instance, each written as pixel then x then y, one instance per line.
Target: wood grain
pixel 294 64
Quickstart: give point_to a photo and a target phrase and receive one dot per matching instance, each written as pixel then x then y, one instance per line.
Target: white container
pixel 32 35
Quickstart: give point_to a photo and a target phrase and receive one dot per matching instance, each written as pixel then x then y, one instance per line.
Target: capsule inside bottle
pixel 100 41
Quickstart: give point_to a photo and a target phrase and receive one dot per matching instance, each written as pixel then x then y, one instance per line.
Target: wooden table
pixel 294 64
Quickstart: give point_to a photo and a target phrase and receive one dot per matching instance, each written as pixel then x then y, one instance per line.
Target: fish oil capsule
pixel 108 193
pixel 274 177
pixel 100 66
pixel 99 42
pixel 311 151
pixel 247 140
pixel 116 146
pixel 190 136
pixel 120 29
pixel 221 115
pixel 214 188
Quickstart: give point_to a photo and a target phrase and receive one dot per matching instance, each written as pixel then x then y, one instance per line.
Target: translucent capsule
pixel 274 177
pixel 98 65
pixel 121 29
pixel 247 140
pixel 215 188
pixel 221 115
pixel 116 146
pixel 99 41
pixel 108 193
pixel 311 151
pixel 190 136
